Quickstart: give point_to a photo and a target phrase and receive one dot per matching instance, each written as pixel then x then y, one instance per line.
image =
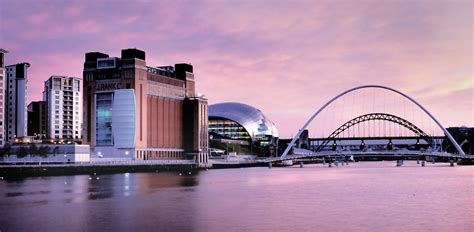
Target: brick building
pixel 135 111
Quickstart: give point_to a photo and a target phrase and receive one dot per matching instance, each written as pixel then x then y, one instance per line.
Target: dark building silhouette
pixel 464 136
pixel 38 119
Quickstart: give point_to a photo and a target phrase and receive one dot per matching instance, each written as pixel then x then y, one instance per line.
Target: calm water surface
pixel 360 197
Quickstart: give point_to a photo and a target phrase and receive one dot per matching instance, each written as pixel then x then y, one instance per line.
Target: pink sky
pixel 286 58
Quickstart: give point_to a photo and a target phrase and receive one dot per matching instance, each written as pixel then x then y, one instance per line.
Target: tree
pixel 55 150
pixel 43 151
pixel 22 152
pixel 7 149
pixel 33 149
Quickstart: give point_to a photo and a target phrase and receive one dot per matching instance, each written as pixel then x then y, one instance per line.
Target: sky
pixel 286 58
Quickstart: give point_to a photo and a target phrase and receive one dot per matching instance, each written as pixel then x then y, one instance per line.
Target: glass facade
pixel 236 115
pixel 228 129
pixel 241 122
pixel 103 120
pixel 123 118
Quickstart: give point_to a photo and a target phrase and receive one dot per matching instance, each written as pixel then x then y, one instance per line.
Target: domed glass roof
pixel 250 118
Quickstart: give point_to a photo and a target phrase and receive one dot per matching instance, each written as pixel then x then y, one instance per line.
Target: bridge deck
pixel 367 154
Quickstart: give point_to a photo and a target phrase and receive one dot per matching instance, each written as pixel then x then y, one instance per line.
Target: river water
pixel 365 196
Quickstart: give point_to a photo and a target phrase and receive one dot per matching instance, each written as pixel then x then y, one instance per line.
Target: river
pixel 364 196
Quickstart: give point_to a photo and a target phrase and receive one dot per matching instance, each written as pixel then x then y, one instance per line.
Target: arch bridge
pixel 386 117
pixel 376 117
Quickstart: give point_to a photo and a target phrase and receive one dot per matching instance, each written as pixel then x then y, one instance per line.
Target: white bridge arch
pixel 450 137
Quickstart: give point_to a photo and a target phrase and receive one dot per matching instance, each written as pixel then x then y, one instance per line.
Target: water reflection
pixel 90 187
pixel 359 197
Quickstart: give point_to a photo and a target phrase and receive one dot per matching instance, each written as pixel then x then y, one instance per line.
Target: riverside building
pixel 15 118
pixel 63 96
pixel 2 96
pixel 241 128
pixel 137 111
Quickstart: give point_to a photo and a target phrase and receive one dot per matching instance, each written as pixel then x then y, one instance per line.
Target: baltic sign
pixel 108 86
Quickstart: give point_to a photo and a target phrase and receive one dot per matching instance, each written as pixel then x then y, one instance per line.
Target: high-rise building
pixel 2 96
pixel 138 111
pixel 64 98
pixel 16 93
pixel 38 119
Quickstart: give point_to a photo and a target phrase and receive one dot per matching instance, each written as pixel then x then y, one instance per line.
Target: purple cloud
pixel 286 58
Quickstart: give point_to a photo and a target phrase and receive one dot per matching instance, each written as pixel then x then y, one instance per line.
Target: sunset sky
pixel 286 58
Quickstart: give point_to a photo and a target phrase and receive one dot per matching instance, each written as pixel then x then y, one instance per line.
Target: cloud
pixel 286 58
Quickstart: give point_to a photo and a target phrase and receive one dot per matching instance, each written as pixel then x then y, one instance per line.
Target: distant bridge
pixel 376 117
pixel 369 117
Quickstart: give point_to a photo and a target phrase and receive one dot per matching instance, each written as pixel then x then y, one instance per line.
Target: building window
pixel 104 119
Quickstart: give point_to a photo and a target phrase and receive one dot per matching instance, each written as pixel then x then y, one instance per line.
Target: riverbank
pixel 19 171
pixel 184 166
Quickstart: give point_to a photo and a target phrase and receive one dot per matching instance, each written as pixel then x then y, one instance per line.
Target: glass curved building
pixel 237 123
